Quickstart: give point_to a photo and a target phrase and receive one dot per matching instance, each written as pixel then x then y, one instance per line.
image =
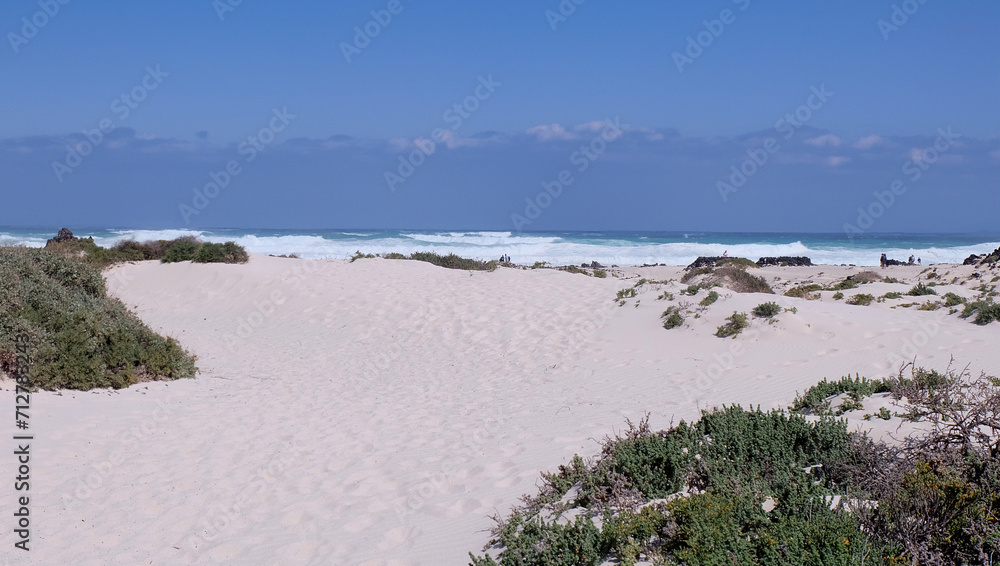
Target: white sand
pixel 377 412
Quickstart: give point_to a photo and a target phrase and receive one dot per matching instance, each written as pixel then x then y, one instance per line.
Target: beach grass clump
pixel 185 248
pixel 844 285
pixel 804 291
pixel 710 298
pixel 929 306
pixel 228 252
pixel 626 293
pixel 78 336
pixel 766 310
pixel 920 289
pixel 891 295
pixel 600 273
pixel 838 296
pixel 672 318
pixel 735 323
pixel 452 261
pixel 862 299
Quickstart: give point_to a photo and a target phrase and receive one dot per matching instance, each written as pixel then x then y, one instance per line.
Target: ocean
pixel 560 248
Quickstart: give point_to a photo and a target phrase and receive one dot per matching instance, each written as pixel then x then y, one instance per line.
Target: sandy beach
pixel 378 412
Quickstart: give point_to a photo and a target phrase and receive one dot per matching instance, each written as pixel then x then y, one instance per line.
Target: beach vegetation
pixel 766 310
pixel 890 280
pixel 892 295
pixel 739 280
pixel 735 323
pixel 844 285
pixel 687 277
pixel 986 311
pixel 953 300
pixel 806 291
pixel 710 298
pixel 929 306
pixel 746 486
pixel 600 273
pixel 838 296
pixel 667 295
pixel 540 265
pixel 920 289
pixel 79 337
pixel 862 299
pixel 626 293
pixel 672 318
pixel 740 262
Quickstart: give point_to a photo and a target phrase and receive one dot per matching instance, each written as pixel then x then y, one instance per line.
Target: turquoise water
pixel 562 248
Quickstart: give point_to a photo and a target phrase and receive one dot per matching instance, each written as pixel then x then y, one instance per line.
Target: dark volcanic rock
pixel 705 262
pixel 64 235
pixel 786 260
pixel 973 259
pixel 595 265
pixel 895 262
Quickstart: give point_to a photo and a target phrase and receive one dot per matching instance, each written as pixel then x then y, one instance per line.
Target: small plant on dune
pixel 862 299
pixel 920 289
pixel 838 296
pixel 600 273
pixel 666 296
pixel 394 255
pixel 814 400
pixel 642 281
pixel 986 311
pixel 929 306
pixel 740 281
pixel 672 318
pixel 892 295
pixel 626 293
pixel 574 269
pixel 358 255
pixel 735 324
pixel 710 298
pixel 953 300
pixel 539 264
pixel 844 285
pixel 890 280
pixel 804 291
pixel 766 310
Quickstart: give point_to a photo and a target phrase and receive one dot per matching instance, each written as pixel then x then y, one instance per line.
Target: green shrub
pixel 710 298
pixel 814 399
pixel 844 285
pixel 181 249
pixel 929 306
pixel 838 296
pixel 986 311
pixel 892 295
pixel 766 310
pixel 79 337
pixel 953 300
pixel 740 262
pixel 742 282
pixel 920 289
pixel 540 265
pixel 627 293
pixel 804 291
pixel 672 318
pixel 452 261
pixel 736 323
pixel 209 253
pixel 600 273
pixel 862 299
pixel 695 273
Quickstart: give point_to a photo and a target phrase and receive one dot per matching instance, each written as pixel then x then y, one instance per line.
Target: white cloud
pixel 869 142
pixel 837 160
pixel 551 132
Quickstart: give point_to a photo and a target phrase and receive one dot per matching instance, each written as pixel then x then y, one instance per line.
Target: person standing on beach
pixel 882 261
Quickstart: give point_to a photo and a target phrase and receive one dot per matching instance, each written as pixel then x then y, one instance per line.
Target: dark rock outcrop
pixel 595 265
pixel 785 260
pixel 64 235
pixel 973 259
pixel 705 262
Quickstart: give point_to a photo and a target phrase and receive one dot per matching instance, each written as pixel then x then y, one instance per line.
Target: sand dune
pixel 377 412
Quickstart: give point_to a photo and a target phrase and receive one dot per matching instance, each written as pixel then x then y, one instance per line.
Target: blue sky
pixel 315 117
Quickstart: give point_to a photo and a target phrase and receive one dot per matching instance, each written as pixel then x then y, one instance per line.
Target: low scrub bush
pixel 920 289
pixel 735 324
pixel 740 262
pixel 986 311
pixel 892 295
pixel 452 261
pixel 815 398
pixel 710 298
pixel 953 300
pixel 672 318
pixel 766 310
pixel 804 291
pixel 78 336
pixel 740 281
pixel 862 299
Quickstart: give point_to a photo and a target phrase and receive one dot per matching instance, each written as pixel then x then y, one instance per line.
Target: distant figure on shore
pixel 911 260
pixel 505 258
pixel 918 261
pixel 882 261
pixel 725 253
